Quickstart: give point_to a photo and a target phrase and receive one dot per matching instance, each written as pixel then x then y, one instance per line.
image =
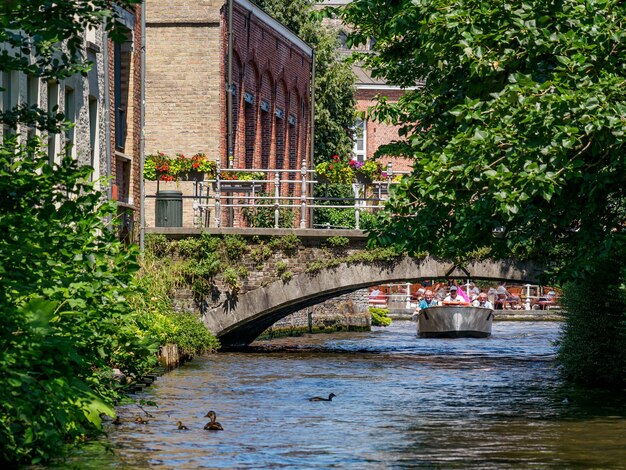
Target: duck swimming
pixel 140 420
pixel 330 398
pixel 181 426
pixel 212 425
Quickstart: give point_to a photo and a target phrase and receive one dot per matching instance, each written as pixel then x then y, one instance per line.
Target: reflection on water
pixel 402 402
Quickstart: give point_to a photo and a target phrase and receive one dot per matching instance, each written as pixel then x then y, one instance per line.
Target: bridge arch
pixel 242 318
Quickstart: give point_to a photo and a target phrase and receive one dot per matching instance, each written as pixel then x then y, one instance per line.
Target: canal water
pixel 401 402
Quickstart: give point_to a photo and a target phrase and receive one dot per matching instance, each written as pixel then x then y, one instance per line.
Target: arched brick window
pixel 251 104
pixel 266 109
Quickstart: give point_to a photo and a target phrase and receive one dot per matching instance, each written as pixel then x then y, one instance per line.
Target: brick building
pixel 105 108
pixel 187 72
pixel 125 91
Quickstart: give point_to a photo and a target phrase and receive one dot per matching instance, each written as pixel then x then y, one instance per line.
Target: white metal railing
pixel 280 189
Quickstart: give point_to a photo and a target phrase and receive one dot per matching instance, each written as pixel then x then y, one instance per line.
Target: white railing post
pixel 356 187
pixel 196 203
pixel 218 195
pixel 408 295
pixel 277 200
pixel 303 195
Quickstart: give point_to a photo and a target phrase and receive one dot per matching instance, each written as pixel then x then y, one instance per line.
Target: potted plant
pixel 334 171
pixel 201 168
pixel 239 181
pixel 367 171
pixel 161 167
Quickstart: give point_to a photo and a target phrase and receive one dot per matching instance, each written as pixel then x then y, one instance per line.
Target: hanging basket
pixel 363 179
pixel 194 176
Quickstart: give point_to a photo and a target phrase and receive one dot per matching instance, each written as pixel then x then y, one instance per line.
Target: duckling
pixel 212 425
pixel 140 420
pixel 330 398
pixel 181 426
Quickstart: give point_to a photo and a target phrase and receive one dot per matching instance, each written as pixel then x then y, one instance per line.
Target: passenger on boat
pixel 454 298
pixel 482 301
pixel 473 292
pixel 428 300
pixel 440 291
pixel 546 302
pixel 419 296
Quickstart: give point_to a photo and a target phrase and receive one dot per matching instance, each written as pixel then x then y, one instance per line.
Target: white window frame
pixel 360 134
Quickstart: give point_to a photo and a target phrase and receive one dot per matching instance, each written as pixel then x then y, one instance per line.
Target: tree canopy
pixel 518 131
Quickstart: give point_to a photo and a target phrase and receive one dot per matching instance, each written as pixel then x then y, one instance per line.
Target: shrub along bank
pixel 75 306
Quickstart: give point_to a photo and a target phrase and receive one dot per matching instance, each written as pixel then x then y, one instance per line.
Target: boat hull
pixel 455 322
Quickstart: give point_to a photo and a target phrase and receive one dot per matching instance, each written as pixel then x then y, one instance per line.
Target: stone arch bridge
pixel 240 320
pixel 265 298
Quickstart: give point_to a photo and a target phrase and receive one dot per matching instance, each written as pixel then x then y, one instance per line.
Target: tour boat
pixel 453 321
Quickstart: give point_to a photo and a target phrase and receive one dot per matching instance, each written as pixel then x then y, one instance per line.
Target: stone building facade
pixel 105 108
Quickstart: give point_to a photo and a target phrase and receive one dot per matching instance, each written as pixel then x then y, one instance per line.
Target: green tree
pixel 519 129
pixel 64 277
pixel 334 80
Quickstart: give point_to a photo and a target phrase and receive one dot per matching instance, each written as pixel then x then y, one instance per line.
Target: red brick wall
pixel 132 149
pixel 270 67
pixel 273 69
pixel 379 133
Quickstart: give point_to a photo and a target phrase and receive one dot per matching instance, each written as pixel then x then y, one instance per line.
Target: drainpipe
pixel 142 137
pixel 107 112
pixel 312 143
pixel 229 93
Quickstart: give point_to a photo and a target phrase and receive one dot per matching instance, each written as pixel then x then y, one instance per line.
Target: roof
pixel 364 80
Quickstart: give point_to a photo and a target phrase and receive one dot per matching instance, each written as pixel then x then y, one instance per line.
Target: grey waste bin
pixel 169 208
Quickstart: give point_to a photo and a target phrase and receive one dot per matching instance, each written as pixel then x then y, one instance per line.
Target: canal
pixel 401 402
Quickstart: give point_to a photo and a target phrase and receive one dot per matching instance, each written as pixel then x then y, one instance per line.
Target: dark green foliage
pixel 65 321
pixel 260 254
pixel 288 243
pixel 154 313
pixel 379 316
pixel 281 267
pixel 189 333
pixel 209 243
pixel 371 255
pixel 337 195
pixel 235 246
pixel 337 242
pixel 593 340
pixel 231 278
pixel 262 215
pixel 519 127
pixel 157 244
pixel 335 218
pixel 520 124
pixel 188 247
